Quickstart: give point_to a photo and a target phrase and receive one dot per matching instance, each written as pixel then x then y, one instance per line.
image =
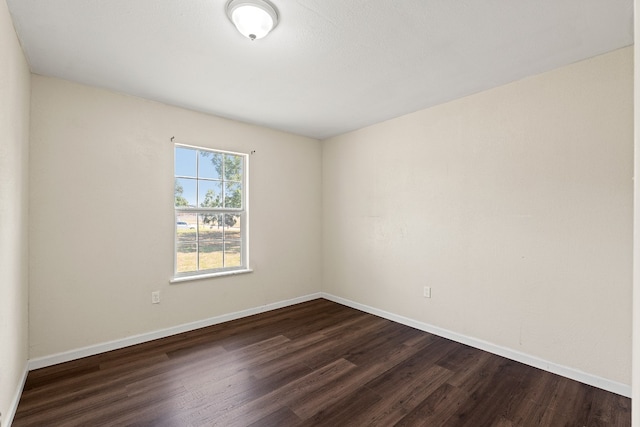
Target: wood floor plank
pixel 305 406
pixel 254 410
pixel 608 410
pixel 493 400
pixel 342 412
pixel 436 409
pixel 312 364
pixel 403 396
pixel 282 417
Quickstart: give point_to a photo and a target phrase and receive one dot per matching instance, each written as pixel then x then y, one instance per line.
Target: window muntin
pixel 210 211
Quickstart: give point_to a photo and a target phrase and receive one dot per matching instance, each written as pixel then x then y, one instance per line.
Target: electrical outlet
pixel 426 292
pixel 155 297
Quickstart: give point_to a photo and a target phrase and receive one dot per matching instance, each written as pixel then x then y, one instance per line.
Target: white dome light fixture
pixel 253 18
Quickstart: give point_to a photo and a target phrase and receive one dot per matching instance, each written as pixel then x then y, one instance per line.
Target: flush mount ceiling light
pixel 253 18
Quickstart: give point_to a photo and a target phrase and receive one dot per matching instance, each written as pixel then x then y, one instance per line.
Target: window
pixel 210 211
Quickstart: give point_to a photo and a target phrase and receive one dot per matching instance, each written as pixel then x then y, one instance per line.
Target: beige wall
pixel 514 205
pixel 14 128
pixel 101 222
pixel 635 398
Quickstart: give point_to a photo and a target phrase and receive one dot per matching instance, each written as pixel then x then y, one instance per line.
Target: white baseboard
pixel 574 374
pixel 7 419
pixel 67 356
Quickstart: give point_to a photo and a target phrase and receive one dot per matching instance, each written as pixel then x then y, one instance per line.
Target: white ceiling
pixel 329 67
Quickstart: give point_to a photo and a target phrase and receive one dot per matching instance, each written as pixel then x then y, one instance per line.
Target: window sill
pixel 181 279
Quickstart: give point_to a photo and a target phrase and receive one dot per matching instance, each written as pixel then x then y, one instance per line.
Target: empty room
pixel 305 213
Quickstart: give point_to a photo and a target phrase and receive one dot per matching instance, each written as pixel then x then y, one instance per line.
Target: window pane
pixel 186 245
pixel 232 167
pixel 209 223
pixel 186 258
pixel 210 194
pixel 186 224
pixel 233 194
pixel 211 254
pixel 210 165
pixel 232 241
pixel 210 226
pixel 210 241
pixel 232 254
pixel 185 162
pixel 185 192
pixel 232 227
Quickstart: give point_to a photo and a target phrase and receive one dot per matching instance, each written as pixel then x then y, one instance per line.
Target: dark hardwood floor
pixel 312 364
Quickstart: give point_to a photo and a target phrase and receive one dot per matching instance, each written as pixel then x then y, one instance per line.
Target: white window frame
pixel 243 212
